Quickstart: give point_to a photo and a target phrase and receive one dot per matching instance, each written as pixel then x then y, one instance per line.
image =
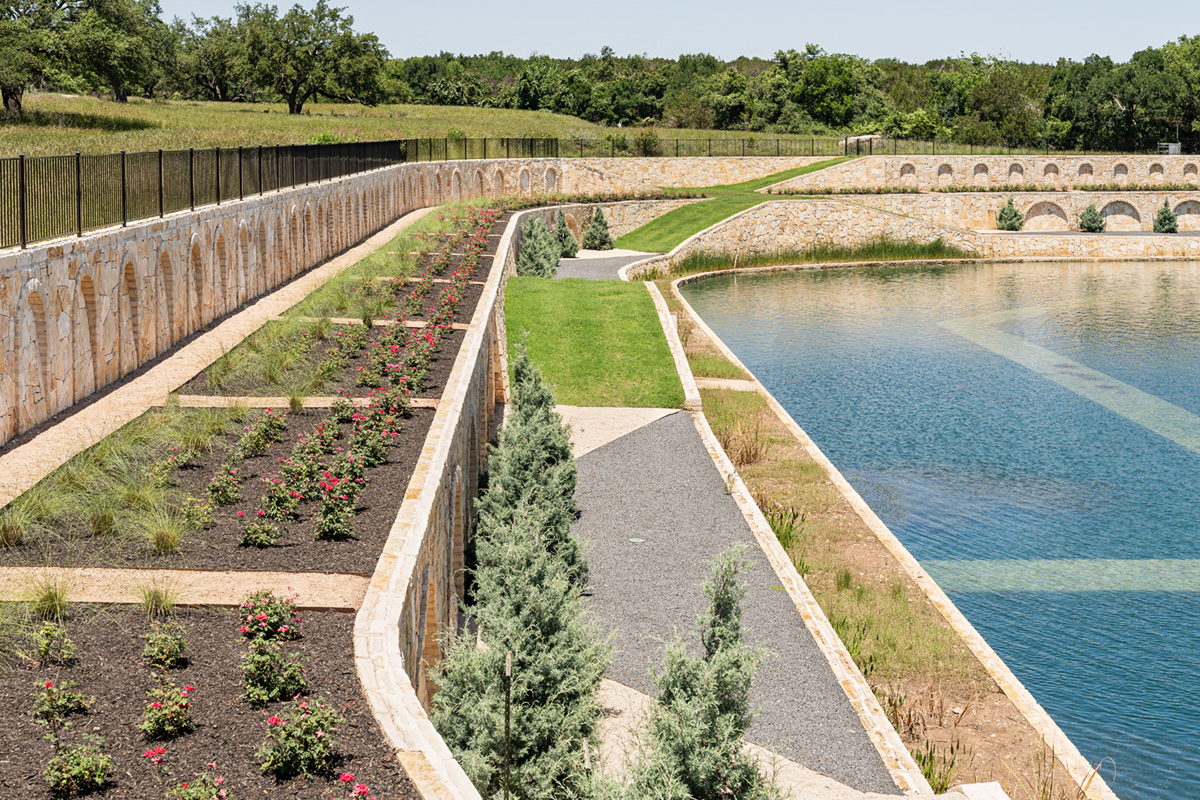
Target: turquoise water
pixel 1032 434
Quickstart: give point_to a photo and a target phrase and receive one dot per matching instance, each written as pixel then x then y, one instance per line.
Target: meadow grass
pixel 668 231
pixel 878 250
pixel 708 365
pixel 891 630
pixel 56 124
pixel 599 343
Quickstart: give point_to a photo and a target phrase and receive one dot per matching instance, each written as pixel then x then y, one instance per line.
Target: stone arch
pixel 455 186
pixel 1188 213
pixel 523 179
pixel 1156 172
pixel 309 235
pixel 40 351
pixel 88 370
pixel 222 274
pixel 945 172
pixel 1120 172
pixel 1189 172
pixel 1050 172
pixel 437 188
pixel 131 306
pixel 166 276
pixel 196 267
pixel 573 226
pixel 551 180
pixel 1017 170
pixel 1046 216
pixel 908 172
pixel 498 183
pixel 260 272
pixel 279 259
pixel 1084 171
pixel 295 245
pixel 1121 216
pixel 243 262
pixel 322 235
pixel 480 184
pixel 980 172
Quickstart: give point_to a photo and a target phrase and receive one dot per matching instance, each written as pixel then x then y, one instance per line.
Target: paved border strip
pixel 879 730
pixel 1082 772
pixel 24 466
pixel 691 394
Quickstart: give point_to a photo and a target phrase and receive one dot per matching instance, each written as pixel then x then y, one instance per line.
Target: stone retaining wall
pixel 622 217
pixel 930 172
pixel 1043 211
pixel 79 313
pixel 797 225
pixel 699 171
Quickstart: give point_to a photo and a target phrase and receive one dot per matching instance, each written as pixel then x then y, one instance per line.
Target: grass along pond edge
pixel 1086 777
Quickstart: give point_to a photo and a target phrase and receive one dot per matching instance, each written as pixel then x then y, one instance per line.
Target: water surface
pixel 1032 434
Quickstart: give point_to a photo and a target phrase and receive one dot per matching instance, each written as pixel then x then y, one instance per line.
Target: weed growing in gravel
pixel 940 765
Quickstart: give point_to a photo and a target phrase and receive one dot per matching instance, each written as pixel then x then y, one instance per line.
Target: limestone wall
pixel 622 217
pixel 929 172
pixel 783 225
pixel 699 171
pixel 1044 211
pixel 79 313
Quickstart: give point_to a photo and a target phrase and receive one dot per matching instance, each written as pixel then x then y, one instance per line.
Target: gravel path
pixel 659 484
pixel 596 269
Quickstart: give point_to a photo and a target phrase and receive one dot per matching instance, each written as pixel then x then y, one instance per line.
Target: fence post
pixel 79 193
pixel 161 179
pixel 22 200
pixel 192 177
pixel 124 193
pixel 260 185
pixel 710 148
pixel 218 171
pixel 241 195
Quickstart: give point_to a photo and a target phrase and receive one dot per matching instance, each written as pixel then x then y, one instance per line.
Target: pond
pixel 1031 432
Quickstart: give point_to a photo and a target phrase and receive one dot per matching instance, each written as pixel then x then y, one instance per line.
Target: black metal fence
pixel 46 197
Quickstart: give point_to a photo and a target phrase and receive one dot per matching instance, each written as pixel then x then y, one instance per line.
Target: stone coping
pixel 1081 772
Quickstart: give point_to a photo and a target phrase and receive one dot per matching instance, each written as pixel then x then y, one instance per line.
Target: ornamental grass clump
pixel 568 247
pixel 539 250
pixel 1165 220
pixel 597 236
pixel 1009 218
pixel 301 742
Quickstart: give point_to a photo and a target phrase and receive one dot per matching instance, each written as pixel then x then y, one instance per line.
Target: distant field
pixel 58 124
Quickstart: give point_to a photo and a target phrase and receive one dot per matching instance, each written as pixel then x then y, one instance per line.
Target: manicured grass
pixel 599 343
pixel 61 124
pixel 668 231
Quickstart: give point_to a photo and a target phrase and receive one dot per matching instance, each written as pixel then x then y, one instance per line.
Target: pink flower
pixel 243 629
pixel 241 513
pixel 189 688
pixel 156 705
pixel 273 721
pixel 49 684
pixel 360 789
pixel 345 777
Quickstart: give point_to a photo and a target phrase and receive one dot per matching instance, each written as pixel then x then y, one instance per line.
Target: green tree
pixel 214 62
pixel 120 44
pixel 567 244
pixel 1165 220
pixel 1009 218
pixel 307 54
pixel 1090 220
pixel 702 710
pixel 539 250
pixel 596 235
pixel 30 45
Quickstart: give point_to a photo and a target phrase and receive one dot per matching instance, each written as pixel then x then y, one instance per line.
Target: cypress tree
pixel 538 255
pixel 1165 220
pixel 597 237
pixel 567 245
pixel 1009 218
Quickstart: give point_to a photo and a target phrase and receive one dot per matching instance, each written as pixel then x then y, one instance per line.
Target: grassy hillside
pixel 58 124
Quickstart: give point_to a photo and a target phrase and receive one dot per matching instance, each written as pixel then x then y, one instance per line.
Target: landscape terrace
pixel 461 427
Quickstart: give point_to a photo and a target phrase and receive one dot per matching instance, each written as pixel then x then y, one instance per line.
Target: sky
pixel 915 31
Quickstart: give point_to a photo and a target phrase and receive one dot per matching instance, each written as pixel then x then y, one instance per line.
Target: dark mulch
pixel 217 547
pixel 229 731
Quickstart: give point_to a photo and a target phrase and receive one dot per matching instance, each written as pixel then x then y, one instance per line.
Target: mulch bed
pixel 108 665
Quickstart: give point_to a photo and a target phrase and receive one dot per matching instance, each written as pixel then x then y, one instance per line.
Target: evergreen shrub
pixel 597 237
pixel 1165 220
pixel 1009 218
pixel 1090 220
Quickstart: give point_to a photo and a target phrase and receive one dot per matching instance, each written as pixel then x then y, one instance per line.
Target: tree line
pixel 124 48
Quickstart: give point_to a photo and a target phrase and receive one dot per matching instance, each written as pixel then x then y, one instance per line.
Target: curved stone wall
pixel 931 172
pixel 79 313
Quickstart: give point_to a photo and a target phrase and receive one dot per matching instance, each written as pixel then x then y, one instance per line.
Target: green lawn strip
pixel 668 231
pixel 599 343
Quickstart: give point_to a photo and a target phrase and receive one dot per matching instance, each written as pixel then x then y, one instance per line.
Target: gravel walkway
pixel 659 484
pixel 596 269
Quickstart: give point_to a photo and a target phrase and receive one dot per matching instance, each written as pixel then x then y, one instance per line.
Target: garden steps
pixel 25 465
pixel 320 591
pixel 220 401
